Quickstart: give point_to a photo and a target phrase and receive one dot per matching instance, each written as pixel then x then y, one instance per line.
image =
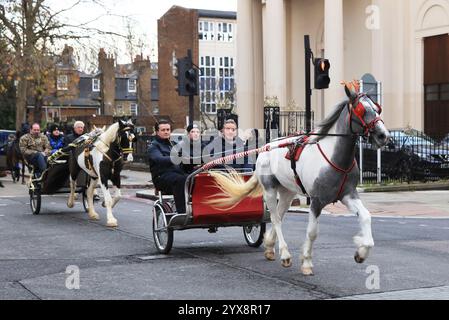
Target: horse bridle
pixel 125 150
pixel 359 112
pixel 122 151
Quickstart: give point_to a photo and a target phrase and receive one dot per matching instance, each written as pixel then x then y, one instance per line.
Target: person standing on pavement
pixel 167 176
pixel 35 148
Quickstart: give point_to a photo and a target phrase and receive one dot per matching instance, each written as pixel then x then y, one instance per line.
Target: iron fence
pixel 410 156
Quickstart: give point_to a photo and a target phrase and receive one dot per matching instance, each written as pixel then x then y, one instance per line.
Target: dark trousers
pixel 39 162
pixel 173 183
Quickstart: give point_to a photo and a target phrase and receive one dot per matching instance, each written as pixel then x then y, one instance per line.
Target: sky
pixel 143 14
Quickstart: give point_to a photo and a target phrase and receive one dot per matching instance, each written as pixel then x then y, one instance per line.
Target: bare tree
pixel 31 31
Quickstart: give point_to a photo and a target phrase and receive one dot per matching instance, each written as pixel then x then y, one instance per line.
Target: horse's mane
pixel 325 125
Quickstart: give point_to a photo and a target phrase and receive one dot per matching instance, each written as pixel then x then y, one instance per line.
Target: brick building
pixel 114 90
pixel 211 37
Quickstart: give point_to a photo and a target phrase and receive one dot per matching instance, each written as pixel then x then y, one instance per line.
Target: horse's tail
pixel 234 189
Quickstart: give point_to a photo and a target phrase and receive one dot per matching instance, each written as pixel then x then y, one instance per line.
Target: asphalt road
pixel 411 257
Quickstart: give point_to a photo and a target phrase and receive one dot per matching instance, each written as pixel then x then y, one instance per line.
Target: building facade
pixel 403 44
pixel 211 35
pixel 114 90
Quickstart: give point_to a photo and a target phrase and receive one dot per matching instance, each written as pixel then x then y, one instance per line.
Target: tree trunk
pixel 21 103
pixel 39 102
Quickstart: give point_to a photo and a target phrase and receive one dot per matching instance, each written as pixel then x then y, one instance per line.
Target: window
pixel 63 82
pixel 437 92
pixel 95 85
pixel 216 82
pixel 206 31
pixel 134 109
pixel 132 85
pixel 225 33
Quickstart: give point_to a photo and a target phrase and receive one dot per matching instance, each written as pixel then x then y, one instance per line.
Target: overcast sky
pixel 143 13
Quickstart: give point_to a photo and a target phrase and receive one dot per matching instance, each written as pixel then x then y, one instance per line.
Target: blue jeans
pixel 39 161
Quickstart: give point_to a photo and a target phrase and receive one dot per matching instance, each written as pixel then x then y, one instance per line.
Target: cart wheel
pixel 163 236
pixel 254 234
pixel 85 203
pixel 35 201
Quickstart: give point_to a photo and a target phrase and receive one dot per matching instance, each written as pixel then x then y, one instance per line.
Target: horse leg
pixel 269 242
pixel 312 233
pixel 23 173
pixel 364 240
pixel 90 200
pixel 111 221
pixel 285 200
pixel 71 200
pixel 117 196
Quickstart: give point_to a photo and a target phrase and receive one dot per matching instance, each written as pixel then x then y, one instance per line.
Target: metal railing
pixel 410 156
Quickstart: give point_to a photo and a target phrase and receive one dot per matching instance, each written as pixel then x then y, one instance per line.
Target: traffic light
pixel 192 81
pixel 322 79
pixel 187 77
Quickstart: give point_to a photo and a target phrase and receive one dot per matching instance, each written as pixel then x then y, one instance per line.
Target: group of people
pixel 36 146
pixel 170 163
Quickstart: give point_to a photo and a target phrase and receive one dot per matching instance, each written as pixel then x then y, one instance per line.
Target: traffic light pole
pixel 308 57
pixel 191 97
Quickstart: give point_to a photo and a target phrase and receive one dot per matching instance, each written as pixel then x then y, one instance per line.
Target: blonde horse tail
pixel 234 189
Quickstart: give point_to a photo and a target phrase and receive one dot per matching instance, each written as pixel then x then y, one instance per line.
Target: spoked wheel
pixel 163 236
pixel 254 234
pixel 35 201
pixel 85 202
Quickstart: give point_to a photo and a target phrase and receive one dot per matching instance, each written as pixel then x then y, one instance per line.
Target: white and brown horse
pixel 103 162
pixel 326 172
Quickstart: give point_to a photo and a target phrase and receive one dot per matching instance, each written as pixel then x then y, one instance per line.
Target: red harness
pixel 337 168
pixel 359 112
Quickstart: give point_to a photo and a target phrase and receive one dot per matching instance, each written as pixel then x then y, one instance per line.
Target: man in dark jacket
pixel 228 144
pixel 166 175
pixel 78 131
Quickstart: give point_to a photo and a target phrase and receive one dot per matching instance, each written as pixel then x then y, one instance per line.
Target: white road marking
pixel 153 257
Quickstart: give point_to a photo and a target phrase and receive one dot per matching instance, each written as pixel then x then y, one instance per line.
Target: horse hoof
pixel 269 255
pixel 70 205
pixel 94 217
pixel 286 263
pixel 307 271
pixel 112 224
pixel 358 258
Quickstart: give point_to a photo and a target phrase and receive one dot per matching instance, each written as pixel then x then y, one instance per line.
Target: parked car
pixel 410 155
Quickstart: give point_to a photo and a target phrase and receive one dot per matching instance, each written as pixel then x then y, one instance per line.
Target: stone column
pixel 275 51
pixel 334 51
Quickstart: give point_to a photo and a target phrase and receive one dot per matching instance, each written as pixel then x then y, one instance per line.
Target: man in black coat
pixel 78 131
pixel 228 144
pixel 167 176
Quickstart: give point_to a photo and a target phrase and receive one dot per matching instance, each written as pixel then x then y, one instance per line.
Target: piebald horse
pixel 326 170
pixel 103 162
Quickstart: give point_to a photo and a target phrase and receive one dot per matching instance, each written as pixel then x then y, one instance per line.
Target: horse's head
pixel 364 117
pixel 126 137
